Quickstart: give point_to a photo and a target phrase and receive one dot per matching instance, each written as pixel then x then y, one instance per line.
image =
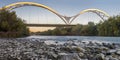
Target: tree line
pixel 11 25
pixel 108 27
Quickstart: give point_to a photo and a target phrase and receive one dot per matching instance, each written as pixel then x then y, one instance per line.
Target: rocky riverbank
pixel 39 49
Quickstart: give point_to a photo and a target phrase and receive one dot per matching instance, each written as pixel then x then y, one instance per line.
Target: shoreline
pixel 21 49
pixel 74 35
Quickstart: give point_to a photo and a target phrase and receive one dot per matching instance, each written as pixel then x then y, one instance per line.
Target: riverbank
pixel 40 49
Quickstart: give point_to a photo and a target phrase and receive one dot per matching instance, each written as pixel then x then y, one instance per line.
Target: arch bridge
pixel 67 19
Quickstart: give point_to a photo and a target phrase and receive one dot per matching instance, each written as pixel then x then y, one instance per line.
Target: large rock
pixel 118 51
pixel 99 57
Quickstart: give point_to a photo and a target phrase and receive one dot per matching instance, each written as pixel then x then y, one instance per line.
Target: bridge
pixel 50 25
pixel 66 19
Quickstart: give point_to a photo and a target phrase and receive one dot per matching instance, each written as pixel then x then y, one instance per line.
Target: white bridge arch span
pixel 99 12
pixel 66 19
pixel 21 4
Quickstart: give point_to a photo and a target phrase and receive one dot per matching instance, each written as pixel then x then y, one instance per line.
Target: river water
pixel 80 38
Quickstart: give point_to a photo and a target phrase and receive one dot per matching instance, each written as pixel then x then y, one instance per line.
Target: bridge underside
pixel 50 25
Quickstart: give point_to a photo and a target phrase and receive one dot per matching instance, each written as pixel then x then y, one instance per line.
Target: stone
pixel 118 51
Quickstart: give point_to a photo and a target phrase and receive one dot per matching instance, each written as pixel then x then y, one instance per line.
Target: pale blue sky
pixel 64 7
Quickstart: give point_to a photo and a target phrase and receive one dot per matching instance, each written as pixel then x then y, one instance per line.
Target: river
pixel 81 38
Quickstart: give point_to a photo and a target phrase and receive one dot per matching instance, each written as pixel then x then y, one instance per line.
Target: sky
pixel 65 7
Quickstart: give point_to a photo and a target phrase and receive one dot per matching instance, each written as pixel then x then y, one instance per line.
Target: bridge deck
pixel 50 25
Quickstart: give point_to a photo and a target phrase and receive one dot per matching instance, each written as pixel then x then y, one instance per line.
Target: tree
pixel 76 29
pixel 92 29
pixel 89 30
pixel 110 27
pixel 56 31
pixel 11 25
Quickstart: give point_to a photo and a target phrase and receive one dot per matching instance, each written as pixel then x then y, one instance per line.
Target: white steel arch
pixel 20 4
pixel 99 12
pixel 66 19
